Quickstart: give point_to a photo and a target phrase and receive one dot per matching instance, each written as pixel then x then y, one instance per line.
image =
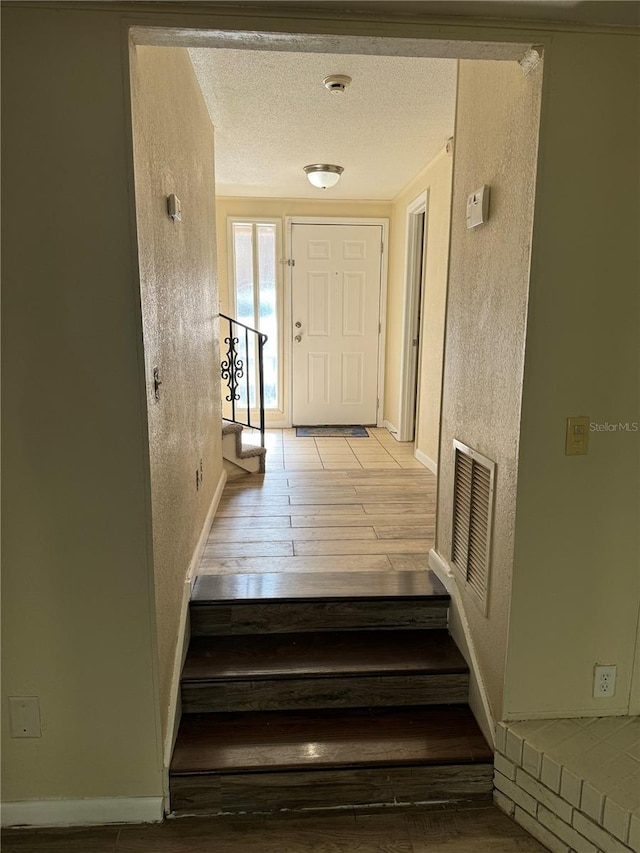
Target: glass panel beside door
pixel 256 296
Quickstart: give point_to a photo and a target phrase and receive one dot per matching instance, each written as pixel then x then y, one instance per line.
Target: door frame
pixel 414 276
pixel 290 221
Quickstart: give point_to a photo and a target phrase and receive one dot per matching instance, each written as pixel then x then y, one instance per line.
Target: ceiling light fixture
pixel 323 175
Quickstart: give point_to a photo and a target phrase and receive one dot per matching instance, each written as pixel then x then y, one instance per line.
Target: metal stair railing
pixel 243 340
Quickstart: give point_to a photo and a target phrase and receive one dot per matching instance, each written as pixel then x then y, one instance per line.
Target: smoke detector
pixel 336 82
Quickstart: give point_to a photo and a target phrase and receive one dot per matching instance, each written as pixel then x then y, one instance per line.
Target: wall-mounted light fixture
pixel 323 175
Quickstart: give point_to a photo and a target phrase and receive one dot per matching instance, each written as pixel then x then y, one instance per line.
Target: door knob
pixel 298 338
pixel 298 325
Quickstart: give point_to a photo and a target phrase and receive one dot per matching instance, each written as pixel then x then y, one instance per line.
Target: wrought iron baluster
pixel 261 343
pixel 233 369
pixel 246 355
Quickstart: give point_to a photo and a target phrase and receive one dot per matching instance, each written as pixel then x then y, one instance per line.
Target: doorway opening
pixel 393 543
pixel 416 229
pixel 256 294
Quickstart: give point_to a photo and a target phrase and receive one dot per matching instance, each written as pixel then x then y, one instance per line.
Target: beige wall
pixel 78 615
pixel 576 582
pixel 435 178
pixel 179 307
pixel 496 144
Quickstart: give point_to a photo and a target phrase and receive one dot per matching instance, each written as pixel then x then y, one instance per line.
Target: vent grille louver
pixel 472 517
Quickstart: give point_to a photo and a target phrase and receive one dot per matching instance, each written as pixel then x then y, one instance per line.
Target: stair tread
pixel 271 741
pixel 322 654
pixel 248 451
pixel 312 586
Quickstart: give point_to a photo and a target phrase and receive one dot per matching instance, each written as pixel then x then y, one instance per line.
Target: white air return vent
pixel 472 516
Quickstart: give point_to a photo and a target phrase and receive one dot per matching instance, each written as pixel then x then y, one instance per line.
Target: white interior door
pixel 335 310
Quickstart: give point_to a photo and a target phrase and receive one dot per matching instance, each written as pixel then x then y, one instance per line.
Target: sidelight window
pixel 254 246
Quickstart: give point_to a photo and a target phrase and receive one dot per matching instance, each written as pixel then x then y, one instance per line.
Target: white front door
pixel 335 311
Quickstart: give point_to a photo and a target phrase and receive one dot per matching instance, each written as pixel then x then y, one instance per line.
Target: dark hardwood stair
pixel 310 601
pixel 349 737
pixel 324 690
pixel 323 670
pixel 271 760
pixel 312 586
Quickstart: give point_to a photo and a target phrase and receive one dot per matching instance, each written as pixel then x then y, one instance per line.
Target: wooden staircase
pixel 324 690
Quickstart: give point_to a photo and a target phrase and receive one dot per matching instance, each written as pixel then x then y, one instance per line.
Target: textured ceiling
pixel 272 116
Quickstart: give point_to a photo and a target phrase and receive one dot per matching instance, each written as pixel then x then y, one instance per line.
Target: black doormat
pixel 331 432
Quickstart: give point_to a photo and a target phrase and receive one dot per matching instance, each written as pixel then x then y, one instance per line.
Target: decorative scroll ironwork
pixel 232 368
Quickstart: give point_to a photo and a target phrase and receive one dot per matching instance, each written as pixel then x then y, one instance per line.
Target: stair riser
pixel 253 465
pixel 214 794
pixel 231 450
pixel 303 693
pixel 225 619
pixel 234 472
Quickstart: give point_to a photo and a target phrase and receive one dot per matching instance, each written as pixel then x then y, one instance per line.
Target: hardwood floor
pixel 416 829
pixel 351 505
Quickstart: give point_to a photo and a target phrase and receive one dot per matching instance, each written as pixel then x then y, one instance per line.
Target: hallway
pixel 336 504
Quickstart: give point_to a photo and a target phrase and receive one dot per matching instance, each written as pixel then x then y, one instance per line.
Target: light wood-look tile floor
pixel 330 504
pixel 392 830
pixel 286 452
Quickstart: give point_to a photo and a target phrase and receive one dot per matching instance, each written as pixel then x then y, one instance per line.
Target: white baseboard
pixel 461 633
pixel 83 812
pixel 427 461
pixel 564 713
pixel 184 631
pixel 389 426
pixel 206 527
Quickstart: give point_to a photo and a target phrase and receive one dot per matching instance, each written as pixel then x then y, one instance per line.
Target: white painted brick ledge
pixel 564 812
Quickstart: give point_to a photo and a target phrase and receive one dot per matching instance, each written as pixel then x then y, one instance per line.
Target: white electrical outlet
pixel 604 681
